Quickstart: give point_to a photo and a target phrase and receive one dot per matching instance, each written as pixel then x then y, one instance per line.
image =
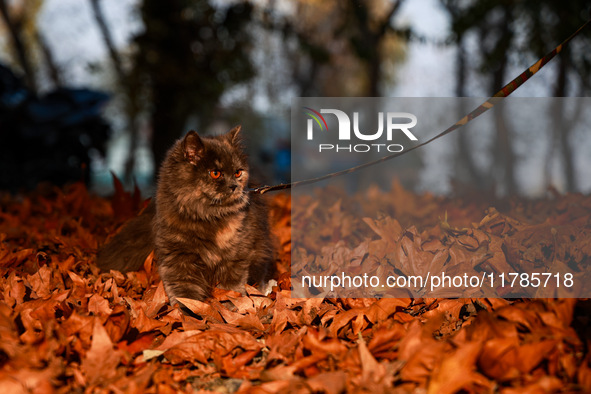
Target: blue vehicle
pixel 48 138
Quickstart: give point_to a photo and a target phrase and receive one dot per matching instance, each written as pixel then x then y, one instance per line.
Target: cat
pixel 205 227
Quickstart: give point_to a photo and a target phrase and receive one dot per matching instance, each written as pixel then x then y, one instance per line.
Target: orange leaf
pixel 100 362
pixel 457 370
pixel 201 309
pixel 201 347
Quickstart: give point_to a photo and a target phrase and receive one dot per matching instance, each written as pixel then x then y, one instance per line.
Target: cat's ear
pixel 234 135
pixel 192 147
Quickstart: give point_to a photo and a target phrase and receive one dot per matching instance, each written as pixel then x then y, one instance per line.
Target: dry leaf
pixel 66 327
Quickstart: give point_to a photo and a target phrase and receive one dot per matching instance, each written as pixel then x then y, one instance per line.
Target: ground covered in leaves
pixel 65 327
pixel 425 246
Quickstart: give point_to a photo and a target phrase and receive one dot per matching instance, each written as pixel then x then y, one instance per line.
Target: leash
pixel 488 104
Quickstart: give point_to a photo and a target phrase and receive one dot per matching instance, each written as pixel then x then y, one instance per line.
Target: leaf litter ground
pixel 65 327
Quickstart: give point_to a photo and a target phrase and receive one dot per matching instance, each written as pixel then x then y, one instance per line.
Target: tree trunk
pixel 167 115
pixel 561 131
pixel 370 39
pixel 14 30
pixel 503 154
pixel 465 161
pixel 505 158
pixel 126 83
pixel 375 71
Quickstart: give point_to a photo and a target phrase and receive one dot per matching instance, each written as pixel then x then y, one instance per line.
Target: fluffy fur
pixel 206 229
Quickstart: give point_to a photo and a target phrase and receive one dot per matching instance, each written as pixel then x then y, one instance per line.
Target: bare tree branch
pixel 386 22
pixel 54 71
pixel 106 34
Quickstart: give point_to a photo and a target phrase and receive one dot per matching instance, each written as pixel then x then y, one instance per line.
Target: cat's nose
pixel 233 187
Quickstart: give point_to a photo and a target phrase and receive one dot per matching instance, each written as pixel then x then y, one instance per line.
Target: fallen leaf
pixel 102 359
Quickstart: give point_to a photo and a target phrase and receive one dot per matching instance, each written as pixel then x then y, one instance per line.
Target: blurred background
pixel 93 86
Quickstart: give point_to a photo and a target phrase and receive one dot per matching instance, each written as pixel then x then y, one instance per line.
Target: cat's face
pixel 208 176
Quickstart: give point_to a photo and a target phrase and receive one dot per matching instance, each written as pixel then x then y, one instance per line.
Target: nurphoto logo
pixel 397 124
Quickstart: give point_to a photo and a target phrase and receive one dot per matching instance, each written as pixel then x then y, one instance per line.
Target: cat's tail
pixel 129 248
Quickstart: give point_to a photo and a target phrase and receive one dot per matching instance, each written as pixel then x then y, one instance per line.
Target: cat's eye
pixel 215 174
pixel 238 173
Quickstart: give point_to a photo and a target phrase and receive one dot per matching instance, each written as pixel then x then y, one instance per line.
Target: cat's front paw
pixel 267 288
pixel 190 290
